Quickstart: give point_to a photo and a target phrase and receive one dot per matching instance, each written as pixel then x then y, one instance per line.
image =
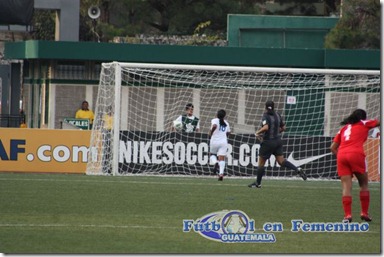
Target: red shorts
pixel 348 163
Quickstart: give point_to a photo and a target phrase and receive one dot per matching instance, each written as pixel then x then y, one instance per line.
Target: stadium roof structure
pixel 204 55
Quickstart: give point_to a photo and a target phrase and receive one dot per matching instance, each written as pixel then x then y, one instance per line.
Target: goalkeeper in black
pixel 270 136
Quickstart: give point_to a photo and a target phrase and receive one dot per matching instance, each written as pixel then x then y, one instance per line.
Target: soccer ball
pixel 177 125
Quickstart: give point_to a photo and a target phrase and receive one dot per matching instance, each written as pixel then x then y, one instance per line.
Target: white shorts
pixel 219 149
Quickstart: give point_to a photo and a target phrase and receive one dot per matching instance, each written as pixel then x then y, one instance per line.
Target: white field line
pixel 305 185
pixel 86 226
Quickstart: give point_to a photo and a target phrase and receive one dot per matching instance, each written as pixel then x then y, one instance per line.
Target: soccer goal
pixel 137 104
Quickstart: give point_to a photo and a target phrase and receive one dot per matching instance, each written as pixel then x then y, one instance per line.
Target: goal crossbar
pixel 241 68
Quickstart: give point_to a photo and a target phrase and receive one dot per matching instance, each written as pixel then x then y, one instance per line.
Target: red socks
pixel 347 205
pixel 364 201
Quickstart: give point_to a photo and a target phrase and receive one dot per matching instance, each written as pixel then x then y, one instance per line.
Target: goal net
pixel 137 103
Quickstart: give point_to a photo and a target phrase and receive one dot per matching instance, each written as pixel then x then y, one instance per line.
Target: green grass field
pixel 58 213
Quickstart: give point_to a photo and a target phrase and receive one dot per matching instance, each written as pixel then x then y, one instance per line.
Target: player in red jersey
pixel 348 146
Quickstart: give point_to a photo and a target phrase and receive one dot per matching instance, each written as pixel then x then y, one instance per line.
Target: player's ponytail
pixel 221 115
pixel 356 116
pixel 270 107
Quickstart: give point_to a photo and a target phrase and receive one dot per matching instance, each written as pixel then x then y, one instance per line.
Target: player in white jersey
pixel 219 141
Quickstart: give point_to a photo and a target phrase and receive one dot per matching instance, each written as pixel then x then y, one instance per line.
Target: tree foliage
pixel 358 28
pixel 43 25
pixel 182 17
pixel 176 16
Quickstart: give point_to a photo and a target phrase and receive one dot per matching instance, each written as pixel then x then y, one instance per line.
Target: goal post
pixel 142 100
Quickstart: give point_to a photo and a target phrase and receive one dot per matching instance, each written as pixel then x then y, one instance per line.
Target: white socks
pixel 213 160
pixel 222 166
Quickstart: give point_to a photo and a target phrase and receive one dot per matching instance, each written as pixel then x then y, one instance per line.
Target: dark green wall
pixel 267 31
pixel 204 55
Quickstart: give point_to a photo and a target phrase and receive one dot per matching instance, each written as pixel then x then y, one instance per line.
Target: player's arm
pixel 197 129
pixel 213 128
pixel 264 127
pixel 371 123
pixel 262 130
pixel 336 143
pixel 259 133
pixel 334 147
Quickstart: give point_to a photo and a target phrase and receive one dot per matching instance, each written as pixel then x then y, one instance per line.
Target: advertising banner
pixel 66 151
pixel 44 150
pixel 80 123
pixel 171 153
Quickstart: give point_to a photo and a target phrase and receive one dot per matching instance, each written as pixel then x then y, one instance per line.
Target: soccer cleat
pixel 302 174
pixel 221 177
pixel 365 217
pixel 254 185
pixel 347 219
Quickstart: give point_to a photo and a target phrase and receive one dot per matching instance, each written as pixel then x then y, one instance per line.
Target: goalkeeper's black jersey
pixel 274 122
